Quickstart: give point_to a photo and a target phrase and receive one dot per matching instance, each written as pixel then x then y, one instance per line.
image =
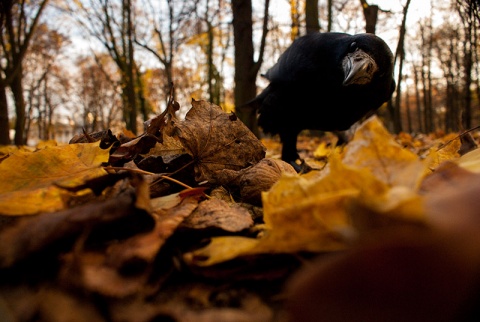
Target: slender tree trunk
pixel 131 83
pixel 420 124
pixel 245 77
pixel 17 91
pixel 370 12
pixel 4 124
pixel 311 16
pixel 210 66
pixel 144 108
pixel 467 65
pixel 409 112
pixel 400 56
pixel 246 68
pixel 329 15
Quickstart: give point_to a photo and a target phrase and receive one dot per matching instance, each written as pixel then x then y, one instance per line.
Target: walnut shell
pixel 261 177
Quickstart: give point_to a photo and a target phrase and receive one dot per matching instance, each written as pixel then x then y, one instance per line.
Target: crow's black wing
pixel 316 55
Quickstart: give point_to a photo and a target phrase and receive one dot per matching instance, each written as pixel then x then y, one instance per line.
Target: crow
pixel 324 81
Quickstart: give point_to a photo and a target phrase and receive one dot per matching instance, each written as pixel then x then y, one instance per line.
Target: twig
pixel 458 136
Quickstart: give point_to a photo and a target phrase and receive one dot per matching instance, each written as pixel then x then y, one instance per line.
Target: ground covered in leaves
pixel 198 220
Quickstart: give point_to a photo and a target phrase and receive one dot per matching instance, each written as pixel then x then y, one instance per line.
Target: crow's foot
pixel 300 166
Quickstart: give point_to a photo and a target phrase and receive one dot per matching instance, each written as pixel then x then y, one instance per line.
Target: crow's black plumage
pixel 324 81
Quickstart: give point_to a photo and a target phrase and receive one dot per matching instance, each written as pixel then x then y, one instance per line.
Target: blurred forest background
pixel 99 64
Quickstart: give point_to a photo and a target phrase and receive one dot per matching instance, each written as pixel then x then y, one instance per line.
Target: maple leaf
pixel 38 177
pixel 374 148
pixel 217 141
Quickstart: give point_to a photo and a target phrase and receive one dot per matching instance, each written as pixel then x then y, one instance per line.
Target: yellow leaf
pixel 374 148
pixel 446 152
pixel 322 151
pixel 31 180
pixel 222 249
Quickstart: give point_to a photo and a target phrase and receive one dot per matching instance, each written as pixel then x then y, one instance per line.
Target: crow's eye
pixel 353 47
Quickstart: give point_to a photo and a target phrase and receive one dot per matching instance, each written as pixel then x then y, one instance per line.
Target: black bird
pixel 324 81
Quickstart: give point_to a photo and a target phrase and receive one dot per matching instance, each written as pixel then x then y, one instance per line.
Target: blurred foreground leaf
pixel 37 177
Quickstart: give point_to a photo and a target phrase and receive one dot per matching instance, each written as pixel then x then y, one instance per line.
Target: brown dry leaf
pixel 252 181
pixel 196 302
pixel 45 303
pixel 217 141
pixel 31 235
pixel 36 177
pixel 155 129
pixel 124 267
pixel 216 213
pixel 169 147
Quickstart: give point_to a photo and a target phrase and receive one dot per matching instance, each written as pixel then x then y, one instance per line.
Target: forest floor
pixel 165 227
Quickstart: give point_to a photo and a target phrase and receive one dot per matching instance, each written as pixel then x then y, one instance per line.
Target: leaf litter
pixel 197 220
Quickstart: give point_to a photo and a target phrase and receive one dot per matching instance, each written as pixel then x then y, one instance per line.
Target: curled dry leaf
pixel 254 180
pixel 155 129
pixel 216 213
pixel 31 235
pixel 217 141
pixel 124 267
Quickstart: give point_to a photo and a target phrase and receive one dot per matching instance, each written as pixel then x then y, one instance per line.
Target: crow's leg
pixel 289 145
pixel 290 153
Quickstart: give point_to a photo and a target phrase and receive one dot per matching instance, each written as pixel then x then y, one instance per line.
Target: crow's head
pixel 367 57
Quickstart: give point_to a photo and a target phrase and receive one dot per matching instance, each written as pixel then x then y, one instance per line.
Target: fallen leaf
pixel 124 267
pixel 249 183
pixel 217 141
pixel 28 303
pixel 36 177
pixel 33 234
pixel 374 148
pixel 216 213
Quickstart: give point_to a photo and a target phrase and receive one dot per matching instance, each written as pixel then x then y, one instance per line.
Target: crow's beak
pixel 358 68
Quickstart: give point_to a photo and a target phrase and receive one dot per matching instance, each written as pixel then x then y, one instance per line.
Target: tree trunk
pixel 420 124
pixel 246 68
pixel 329 15
pixel 468 22
pixel 4 125
pixel 17 91
pixel 409 112
pixel 370 12
pixel 400 56
pixel 311 16
pixel 131 76
pixel 245 77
